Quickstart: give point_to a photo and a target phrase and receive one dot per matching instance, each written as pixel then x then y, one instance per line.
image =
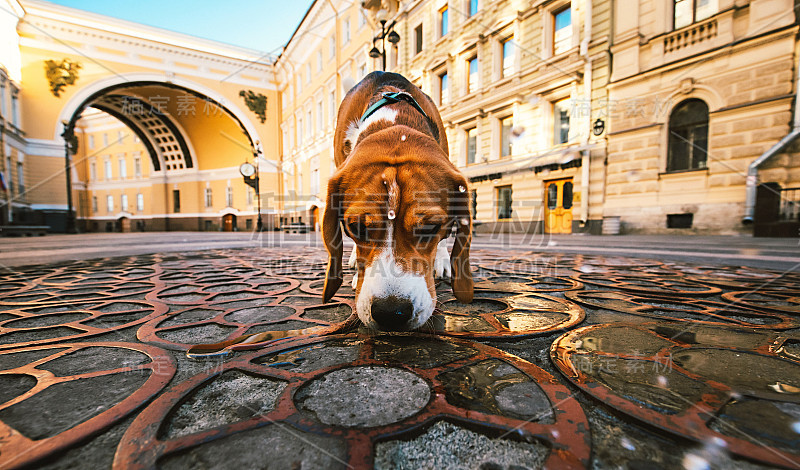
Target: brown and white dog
pixel 398 197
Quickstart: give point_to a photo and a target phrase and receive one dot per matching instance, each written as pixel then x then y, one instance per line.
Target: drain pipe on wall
pixel 587 90
pixel 752 170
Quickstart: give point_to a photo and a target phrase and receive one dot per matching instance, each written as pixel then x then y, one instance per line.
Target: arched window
pixel 688 136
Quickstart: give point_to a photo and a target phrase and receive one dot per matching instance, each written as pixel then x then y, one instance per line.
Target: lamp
pixel 387 33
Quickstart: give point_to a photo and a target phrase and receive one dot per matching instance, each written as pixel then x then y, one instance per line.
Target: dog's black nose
pixel 392 313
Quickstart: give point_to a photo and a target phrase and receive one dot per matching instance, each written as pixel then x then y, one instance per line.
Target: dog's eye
pixel 357 230
pixel 427 232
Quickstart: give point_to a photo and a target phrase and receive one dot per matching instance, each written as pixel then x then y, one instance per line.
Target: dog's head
pixel 397 201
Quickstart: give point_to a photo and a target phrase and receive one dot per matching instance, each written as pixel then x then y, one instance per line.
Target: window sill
pixel 680 173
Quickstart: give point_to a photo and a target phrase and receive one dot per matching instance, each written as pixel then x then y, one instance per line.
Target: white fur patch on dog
pixel 384 278
pixel 441 265
pixel 357 127
pixel 352 263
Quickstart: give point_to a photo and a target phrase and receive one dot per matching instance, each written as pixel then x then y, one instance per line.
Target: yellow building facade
pixel 653 116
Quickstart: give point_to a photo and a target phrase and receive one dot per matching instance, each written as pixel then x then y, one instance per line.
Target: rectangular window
pixel 120 136
pixel 472 144
pixel 443 20
pixel 93 171
pixel 2 96
pixel 123 173
pixel 332 47
pixel 15 109
pixel 310 123
pixel 209 200
pixel 506 125
pixel 229 196
pixel 91 141
pixel 319 117
pixel 444 89
pixel 473 7
pixel 299 133
pixel 105 140
pixel 319 61
pixel 308 73
pixel 123 202
pixel 107 164
pixel 137 166
pixel 140 202
pixel 314 182
pixel 110 203
pixel 508 57
pixel 418 39
pixel 176 200
pixel 561 122
pixel 472 77
pixel 94 204
pixel 503 202
pixel 346 31
pixel 562 30
pixel 686 12
pixel 20 178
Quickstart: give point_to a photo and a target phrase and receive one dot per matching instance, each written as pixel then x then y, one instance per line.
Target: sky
pixel 263 25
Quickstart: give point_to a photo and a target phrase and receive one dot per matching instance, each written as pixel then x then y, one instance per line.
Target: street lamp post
pixel 68 135
pixel 250 174
pixel 387 34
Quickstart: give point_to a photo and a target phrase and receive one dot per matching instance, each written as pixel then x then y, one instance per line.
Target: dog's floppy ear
pixel 459 257
pixel 332 236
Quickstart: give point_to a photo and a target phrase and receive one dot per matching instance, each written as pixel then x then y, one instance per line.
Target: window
pixel 362 19
pixel 20 177
pixel 506 124
pixel 15 108
pixel 319 117
pixel 418 39
pixel 686 12
pixel 504 202
pixel 508 57
pixel 299 82
pixel 110 203
pixel 314 186
pixel 566 195
pixel 91 141
pixel 105 140
pixel 362 71
pixel 319 61
pixel 472 76
pixel 473 196
pixel 2 96
pixel 123 202
pixel 346 31
pixel 443 21
pixel 332 109
pixel 473 7
pixel 332 47
pixel 176 200
pixel 310 123
pixel 299 133
pixel 209 199
pixel 562 30
pixel 120 136
pixel 107 166
pixel 93 171
pixel 123 173
pixel 137 166
pixel 308 73
pixel 561 122
pixel 229 196
pixel 688 136
pixel 140 202
pixel 472 144
pixel 444 89
pixel 94 204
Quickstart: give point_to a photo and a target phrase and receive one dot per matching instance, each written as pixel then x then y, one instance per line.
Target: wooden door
pixel 124 224
pixel 228 222
pixel 558 206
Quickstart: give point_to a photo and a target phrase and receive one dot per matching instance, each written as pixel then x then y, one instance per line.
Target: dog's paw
pixel 441 265
pixel 353 257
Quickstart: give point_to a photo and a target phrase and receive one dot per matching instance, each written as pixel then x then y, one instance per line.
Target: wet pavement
pixel 562 361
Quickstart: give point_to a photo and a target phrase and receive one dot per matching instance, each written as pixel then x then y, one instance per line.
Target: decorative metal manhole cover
pixel 781 300
pixel 738 387
pixel 331 400
pixel 648 284
pixel 52 397
pixel 697 311
pixel 504 314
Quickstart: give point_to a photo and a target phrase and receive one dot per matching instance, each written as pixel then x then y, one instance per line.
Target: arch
pixel 85 95
pixel 687 135
pixel 701 92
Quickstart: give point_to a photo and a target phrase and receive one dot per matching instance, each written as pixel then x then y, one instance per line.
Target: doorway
pixel 228 223
pixel 558 206
pixel 123 224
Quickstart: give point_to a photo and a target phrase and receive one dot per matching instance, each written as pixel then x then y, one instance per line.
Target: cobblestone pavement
pixel 562 361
